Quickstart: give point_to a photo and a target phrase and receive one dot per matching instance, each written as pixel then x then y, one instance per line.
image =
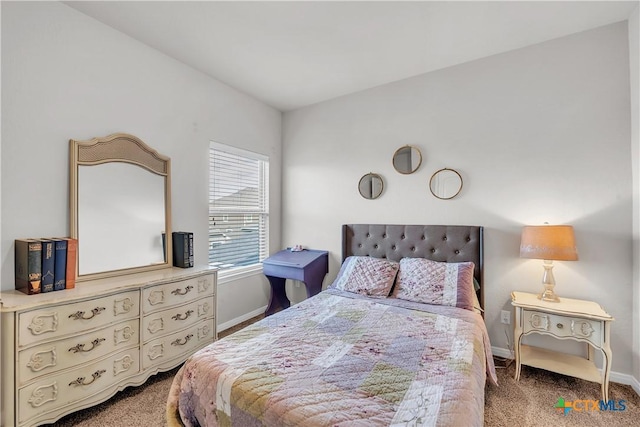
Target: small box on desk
pixel 182 249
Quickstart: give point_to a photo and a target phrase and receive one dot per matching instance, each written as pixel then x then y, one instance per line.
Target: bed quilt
pixel 339 359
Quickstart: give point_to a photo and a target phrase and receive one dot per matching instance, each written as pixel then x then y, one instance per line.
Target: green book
pixel 28 265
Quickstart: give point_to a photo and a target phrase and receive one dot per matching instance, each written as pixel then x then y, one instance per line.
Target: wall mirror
pixel 445 184
pixel 371 186
pixel 407 159
pixel 120 206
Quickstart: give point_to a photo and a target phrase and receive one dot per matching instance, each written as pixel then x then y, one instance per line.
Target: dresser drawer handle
pixel 79 315
pixel 80 381
pixel 179 292
pixel 79 348
pixel 178 341
pixel 182 317
pixel 559 326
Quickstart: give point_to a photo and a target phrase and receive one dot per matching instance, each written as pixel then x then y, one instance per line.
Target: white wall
pixel 65 75
pixel 538 134
pixel 634 65
pixel 1 349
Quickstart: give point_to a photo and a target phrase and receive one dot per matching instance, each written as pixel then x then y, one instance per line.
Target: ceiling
pixel 296 53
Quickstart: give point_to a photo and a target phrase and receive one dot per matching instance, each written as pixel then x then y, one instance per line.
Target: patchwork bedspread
pixel 339 359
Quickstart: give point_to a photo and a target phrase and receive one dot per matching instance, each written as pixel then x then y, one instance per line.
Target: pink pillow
pixel 366 276
pixel 438 283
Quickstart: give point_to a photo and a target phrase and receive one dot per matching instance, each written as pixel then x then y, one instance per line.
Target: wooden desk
pixel 308 266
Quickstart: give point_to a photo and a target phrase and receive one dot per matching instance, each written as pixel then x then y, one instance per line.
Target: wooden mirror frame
pixel 124 148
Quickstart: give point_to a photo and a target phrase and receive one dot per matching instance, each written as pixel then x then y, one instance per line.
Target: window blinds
pixel 238 207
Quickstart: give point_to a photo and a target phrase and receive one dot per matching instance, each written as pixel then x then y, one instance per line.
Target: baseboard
pixel 233 322
pixel 635 385
pixel 629 380
pixel 615 377
pixel 502 352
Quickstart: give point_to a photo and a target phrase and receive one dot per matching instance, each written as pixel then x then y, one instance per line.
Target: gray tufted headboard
pixel 444 243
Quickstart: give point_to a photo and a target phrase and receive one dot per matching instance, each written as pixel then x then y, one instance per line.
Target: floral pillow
pixel 438 283
pixel 366 276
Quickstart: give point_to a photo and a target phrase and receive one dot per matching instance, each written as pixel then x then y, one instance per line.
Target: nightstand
pixel 308 266
pixel 578 320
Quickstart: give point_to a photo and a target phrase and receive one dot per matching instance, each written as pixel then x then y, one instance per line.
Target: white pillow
pixel 366 276
pixel 438 283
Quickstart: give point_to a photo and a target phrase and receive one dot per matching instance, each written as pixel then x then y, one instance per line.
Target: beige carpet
pixel 529 402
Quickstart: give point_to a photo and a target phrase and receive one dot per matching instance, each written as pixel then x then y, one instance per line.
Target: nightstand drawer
pixel 563 326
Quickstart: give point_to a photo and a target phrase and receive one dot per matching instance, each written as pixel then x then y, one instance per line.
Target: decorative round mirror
pixel 445 184
pixel 407 159
pixel 371 186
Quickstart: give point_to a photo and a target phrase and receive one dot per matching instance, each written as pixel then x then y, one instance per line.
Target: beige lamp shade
pixel 550 242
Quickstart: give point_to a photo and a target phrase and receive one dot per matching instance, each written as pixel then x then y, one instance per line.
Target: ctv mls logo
pixel 589 405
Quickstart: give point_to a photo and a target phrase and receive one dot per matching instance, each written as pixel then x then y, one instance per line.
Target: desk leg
pixel 313 286
pixel 278 295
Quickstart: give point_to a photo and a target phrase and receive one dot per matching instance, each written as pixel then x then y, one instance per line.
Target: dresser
pixel 68 350
pixel 569 319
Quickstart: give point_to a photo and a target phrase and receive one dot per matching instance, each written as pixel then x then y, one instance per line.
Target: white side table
pixel 573 319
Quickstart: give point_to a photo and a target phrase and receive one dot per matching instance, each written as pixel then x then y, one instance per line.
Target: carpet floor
pixel 528 402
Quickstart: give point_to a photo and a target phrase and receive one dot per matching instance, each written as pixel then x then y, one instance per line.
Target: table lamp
pixel 549 243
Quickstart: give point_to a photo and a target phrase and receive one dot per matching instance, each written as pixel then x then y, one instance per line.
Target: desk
pixel 308 266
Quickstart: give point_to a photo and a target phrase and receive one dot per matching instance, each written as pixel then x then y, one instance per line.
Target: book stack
pixel 45 265
pixel 182 249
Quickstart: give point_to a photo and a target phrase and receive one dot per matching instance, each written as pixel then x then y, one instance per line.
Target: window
pixel 238 207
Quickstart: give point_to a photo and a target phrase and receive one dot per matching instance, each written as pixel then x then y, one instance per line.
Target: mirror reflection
pixel 407 159
pixel 120 206
pixel 371 186
pixel 117 217
pixel 445 184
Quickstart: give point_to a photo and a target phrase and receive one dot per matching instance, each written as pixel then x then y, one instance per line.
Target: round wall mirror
pixel 371 186
pixel 445 184
pixel 407 159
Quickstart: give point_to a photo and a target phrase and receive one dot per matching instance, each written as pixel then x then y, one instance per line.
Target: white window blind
pixel 238 207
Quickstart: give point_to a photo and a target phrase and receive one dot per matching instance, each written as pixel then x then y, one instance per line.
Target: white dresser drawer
pixel 179 343
pixel 76 384
pixel 562 326
pixel 170 320
pixel 59 320
pixel 99 333
pixel 179 292
pixel 57 355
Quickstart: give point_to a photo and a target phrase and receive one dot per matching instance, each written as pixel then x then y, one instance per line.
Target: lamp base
pixel 548 295
pixel 549 283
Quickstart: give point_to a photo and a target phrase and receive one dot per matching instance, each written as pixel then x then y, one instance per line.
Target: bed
pixel 397 339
